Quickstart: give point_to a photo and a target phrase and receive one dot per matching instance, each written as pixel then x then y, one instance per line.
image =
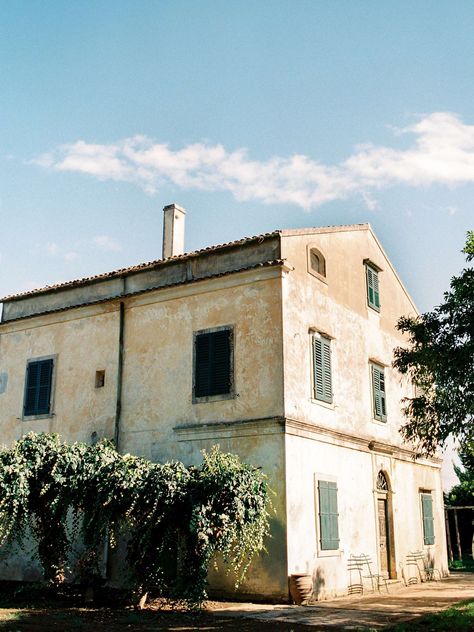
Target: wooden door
pixel 383 536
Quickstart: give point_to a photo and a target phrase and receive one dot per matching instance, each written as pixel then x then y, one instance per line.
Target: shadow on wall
pixel 318 583
pixel 266 579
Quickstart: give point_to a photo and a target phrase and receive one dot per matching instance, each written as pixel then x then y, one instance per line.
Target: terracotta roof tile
pixel 187 255
pixel 139 267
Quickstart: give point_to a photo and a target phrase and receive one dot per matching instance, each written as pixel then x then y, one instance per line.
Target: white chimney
pixel 173 230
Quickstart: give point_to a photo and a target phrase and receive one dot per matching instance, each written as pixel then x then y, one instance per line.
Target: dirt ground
pixel 23 610
pixel 82 619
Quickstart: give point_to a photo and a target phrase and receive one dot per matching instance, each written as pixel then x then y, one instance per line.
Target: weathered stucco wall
pixel 161 422
pixel 355 471
pixel 83 341
pixel 159 419
pixel 339 308
pixel 332 440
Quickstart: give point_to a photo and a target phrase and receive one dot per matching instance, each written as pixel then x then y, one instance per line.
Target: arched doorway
pixel 385 526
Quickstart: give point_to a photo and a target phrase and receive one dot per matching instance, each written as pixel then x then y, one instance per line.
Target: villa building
pixel 279 349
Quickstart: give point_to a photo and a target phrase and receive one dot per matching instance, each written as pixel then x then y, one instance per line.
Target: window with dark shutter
pixel 373 296
pixel 328 516
pixel 213 363
pixel 378 393
pixel 322 368
pixel 39 379
pixel 428 520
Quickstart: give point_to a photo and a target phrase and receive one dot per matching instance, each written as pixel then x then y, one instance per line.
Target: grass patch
pixel 466 564
pixel 9 616
pixel 459 618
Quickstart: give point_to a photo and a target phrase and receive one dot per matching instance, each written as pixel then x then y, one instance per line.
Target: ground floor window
pixel 427 515
pixel 328 516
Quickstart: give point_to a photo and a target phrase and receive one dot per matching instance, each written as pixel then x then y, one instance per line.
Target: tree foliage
pixel 440 362
pixel 462 494
pixel 174 519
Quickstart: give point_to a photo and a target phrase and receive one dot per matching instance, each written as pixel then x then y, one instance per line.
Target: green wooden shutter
pixel 220 369
pixel 378 390
pixel 428 520
pixel 328 516
pixel 202 367
pixel 44 386
pixel 39 377
pixel 322 368
pixel 375 281
pixel 373 295
pixel 213 363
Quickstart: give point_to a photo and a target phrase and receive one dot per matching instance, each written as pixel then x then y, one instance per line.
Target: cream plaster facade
pixel 137 325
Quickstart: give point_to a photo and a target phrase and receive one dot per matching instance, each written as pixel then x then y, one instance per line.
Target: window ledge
pixel 328 405
pixel 213 398
pixel 33 417
pixel 372 308
pixel 327 553
pixel 379 422
pixel 318 276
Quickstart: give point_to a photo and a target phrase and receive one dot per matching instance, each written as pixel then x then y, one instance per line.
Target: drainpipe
pixel 118 412
pixel 118 403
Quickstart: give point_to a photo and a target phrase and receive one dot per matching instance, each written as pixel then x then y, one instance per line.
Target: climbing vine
pixel 174 519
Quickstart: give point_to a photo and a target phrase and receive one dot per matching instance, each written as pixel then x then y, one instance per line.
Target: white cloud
pixel 442 152
pixel 52 249
pixel 107 243
pixel 452 210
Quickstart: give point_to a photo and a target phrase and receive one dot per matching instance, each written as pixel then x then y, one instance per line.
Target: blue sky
pixel 252 115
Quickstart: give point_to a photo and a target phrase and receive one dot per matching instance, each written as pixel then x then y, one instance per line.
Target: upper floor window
pixel 378 392
pixel 316 262
pixel 38 387
pixel 213 363
pixel 373 295
pixel 322 376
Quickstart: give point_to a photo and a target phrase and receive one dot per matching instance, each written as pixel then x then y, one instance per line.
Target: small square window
pixel 99 379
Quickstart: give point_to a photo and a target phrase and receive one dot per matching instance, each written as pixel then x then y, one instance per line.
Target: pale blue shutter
pixel 322 368
pixel 378 391
pixel 328 516
pixel 373 295
pixel 428 521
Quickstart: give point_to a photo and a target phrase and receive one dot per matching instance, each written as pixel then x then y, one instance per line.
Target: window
pixel 99 379
pixel 38 387
pixel 328 516
pixel 378 393
pixel 322 368
pixel 427 514
pixel 373 296
pixel 316 263
pixel 382 483
pixel 213 363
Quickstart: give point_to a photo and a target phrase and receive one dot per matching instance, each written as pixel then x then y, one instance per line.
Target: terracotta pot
pixel 301 588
